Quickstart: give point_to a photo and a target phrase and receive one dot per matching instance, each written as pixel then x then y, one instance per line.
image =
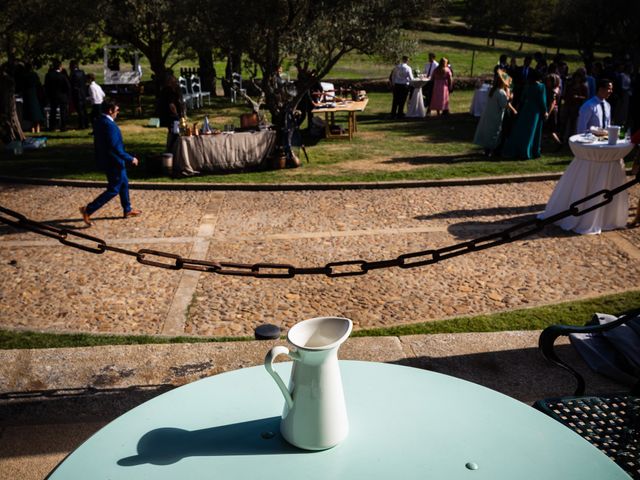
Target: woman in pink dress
pixel 442 81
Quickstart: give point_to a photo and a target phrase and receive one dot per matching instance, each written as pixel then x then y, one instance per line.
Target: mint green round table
pixel 405 423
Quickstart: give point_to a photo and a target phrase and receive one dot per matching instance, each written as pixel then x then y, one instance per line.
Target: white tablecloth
pixel 596 166
pixel 479 100
pixel 222 152
pixel 416 102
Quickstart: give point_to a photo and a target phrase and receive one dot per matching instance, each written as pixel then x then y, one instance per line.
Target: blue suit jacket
pixel 109 148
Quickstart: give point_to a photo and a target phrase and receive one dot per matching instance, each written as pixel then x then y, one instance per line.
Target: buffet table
pixel 350 107
pixel 596 166
pixel 404 423
pixel 222 152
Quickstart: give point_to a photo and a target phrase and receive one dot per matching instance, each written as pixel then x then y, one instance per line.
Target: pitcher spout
pixel 321 333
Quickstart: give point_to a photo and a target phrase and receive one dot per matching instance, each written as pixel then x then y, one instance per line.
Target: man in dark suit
pixel 78 82
pixel 111 155
pixel 57 89
pixel 520 80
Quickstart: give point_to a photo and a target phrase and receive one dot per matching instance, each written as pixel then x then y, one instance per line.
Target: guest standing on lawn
pixel 96 97
pixel 596 112
pixel 526 135
pixel 78 81
pixel 442 83
pixel 111 155
pixel 490 125
pixel 400 79
pixel 427 90
pixel 58 91
pixel 32 110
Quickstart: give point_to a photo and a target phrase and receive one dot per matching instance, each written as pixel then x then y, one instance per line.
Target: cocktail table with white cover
pixel 404 423
pixel 596 166
pixel 415 108
pixel 479 100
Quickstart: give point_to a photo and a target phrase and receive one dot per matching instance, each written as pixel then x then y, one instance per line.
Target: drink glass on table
pixel 613 131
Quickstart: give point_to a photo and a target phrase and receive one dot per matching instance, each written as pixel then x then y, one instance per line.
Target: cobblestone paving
pixel 47 286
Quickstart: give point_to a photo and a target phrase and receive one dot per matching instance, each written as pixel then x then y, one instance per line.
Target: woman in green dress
pixel 32 110
pixel 490 126
pixel 526 135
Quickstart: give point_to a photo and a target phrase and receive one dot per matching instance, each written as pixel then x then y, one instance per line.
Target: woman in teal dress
pixel 526 135
pixel 490 126
pixel 32 111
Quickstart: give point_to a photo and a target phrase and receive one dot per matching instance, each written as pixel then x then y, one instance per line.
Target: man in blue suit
pixel 111 155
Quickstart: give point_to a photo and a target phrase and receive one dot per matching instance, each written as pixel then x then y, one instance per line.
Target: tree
pixel 611 25
pixel 35 32
pixel 38 31
pixel 487 16
pixel 312 35
pixel 150 27
pixel 528 18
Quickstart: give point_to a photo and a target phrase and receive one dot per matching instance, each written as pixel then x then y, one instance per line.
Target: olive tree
pixel 153 28
pixel 312 35
pixel 34 32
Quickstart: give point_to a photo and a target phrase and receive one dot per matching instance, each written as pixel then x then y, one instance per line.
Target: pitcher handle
pixel 268 364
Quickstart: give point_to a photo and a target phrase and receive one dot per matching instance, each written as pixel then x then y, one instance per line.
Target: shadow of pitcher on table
pixel 165 446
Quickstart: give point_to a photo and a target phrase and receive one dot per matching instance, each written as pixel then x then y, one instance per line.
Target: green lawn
pixel 382 150
pixel 572 313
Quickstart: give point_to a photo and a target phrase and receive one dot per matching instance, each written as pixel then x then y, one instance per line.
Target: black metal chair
pixel 611 422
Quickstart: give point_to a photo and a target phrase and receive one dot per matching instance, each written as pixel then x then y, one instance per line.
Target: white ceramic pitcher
pixel 315 414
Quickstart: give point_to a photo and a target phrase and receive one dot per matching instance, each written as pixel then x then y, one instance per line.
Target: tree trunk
pixel 159 73
pixel 10 129
pixel 207 70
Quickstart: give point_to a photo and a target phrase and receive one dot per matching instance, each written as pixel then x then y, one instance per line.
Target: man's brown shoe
pixel 85 216
pixel 132 213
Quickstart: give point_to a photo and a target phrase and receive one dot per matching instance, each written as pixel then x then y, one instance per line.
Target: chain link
pixel 345 268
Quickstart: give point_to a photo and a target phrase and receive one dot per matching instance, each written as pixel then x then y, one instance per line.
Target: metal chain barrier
pixel 347 268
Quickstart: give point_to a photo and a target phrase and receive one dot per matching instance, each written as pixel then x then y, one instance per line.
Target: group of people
pixel 63 92
pixel 436 91
pixel 524 101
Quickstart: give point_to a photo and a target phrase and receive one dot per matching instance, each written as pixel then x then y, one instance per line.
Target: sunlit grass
pixel 570 313
pixel 410 149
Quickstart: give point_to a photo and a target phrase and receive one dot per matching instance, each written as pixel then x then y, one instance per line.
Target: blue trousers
pixel 118 185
